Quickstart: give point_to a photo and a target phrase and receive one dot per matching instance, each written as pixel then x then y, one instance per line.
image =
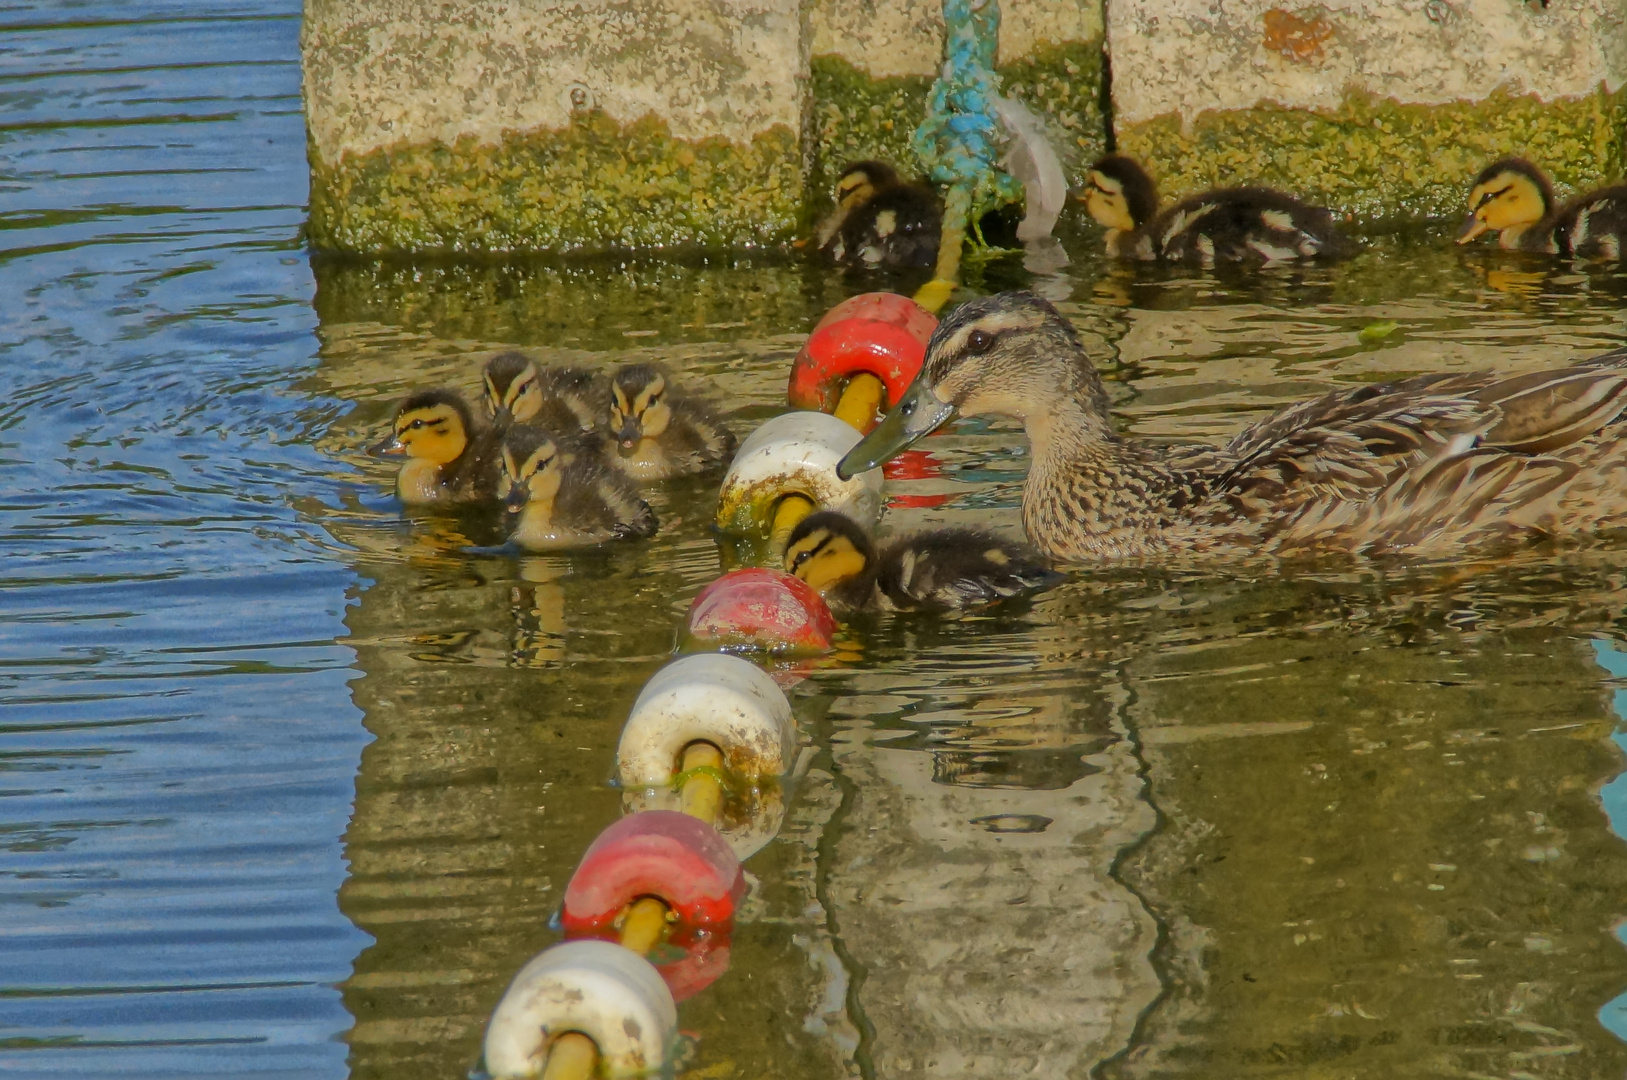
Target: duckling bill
pixel 1241 224
pixel 1429 465
pixel 1514 199
pixel 944 570
pixel 444 448
pixel 563 496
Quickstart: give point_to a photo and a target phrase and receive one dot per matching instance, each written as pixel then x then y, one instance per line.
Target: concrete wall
pixel 1376 108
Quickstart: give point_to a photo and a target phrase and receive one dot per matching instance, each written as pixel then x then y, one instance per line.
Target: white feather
pixel 1033 161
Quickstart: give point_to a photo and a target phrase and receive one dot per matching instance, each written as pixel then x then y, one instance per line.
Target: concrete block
pixel 872 62
pixel 522 125
pixel 1375 108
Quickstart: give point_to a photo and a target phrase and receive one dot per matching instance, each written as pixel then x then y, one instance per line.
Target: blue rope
pixel 961 138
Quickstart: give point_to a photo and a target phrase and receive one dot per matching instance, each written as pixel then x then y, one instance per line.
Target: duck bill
pixel 518 495
pixel 388 445
pixel 918 413
pixel 1471 229
pixel 628 436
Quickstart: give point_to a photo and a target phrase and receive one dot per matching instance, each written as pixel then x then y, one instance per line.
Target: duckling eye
pixel 978 341
pixel 799 558
pixel 1490 195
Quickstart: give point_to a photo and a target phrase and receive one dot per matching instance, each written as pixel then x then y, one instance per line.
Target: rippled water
pixel 293 780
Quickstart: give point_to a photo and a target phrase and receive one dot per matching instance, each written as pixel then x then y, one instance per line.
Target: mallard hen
pixel 1427 465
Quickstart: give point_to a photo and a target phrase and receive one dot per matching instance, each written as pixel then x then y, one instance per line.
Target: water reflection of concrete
pixel 989 935
pixel 1398 865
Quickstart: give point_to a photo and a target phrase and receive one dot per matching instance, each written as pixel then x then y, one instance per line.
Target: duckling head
pixel 827 549
pixel 638 406
pixel 513 388
pixel 1508 196
pixel 862 179
pixel 532 466
pixel 433 425
pixel 1012 354
pixel 1119 194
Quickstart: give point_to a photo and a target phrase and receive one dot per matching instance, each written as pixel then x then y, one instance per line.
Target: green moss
pixel 595 185
pixel 858 116
pixel 1379 159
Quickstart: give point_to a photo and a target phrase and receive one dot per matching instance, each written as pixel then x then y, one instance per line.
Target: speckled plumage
pixel 1240 224
pixel 943 570
pixel 1427 465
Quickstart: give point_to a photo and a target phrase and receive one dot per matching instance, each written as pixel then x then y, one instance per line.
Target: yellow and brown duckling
pixel 1240 224
pixel 657 431
pixel 943 570
pixel 555 398
pixel 448 458
pixel 1429 465
pixel 881 221
pixel 1514 199
pixel 565 496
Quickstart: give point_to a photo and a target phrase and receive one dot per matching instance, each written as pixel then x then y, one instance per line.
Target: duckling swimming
pixel 880 221
pixel 445 461
pixel 943 570
pixel 555 398
pixel 565 496
pixel 857 185
pixel 1514 199
pixel 1242 224
pixel 1427 465
pixel 660 432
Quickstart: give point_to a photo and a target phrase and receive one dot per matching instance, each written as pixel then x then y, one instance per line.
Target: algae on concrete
pixel 1375 159
pixel 594 185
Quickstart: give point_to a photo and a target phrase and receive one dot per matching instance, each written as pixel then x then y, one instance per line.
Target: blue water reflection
pixel 178 745
pixel 1614 795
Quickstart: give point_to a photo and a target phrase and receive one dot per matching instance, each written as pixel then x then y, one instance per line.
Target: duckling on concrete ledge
pixel 1241 224
pixel 658 431
pixel 555 398
pixel 880 221
pixel 942 570
pixel 1514 199
pixel 444 448
pixel 565 496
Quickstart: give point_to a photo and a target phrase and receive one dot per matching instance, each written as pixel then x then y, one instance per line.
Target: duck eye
pixel 799 558
pixel 978 341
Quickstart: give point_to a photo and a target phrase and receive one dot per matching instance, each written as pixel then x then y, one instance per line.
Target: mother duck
pixel 1428 465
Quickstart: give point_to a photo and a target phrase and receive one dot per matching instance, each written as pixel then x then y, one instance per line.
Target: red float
pixel 678 859
pixel 690 960
pixel 762 609
pixel 883 334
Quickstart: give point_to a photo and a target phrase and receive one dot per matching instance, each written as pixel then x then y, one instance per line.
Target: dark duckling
pixel 1514 199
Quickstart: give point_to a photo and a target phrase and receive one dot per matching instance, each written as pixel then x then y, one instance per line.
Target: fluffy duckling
pixel 881 221
pixel 1514 199
pixel 1242 224
pixel 445 460
pixel 658 431
pixel 857 185
pixel 943 570
pixel 565 496
pixel 554 398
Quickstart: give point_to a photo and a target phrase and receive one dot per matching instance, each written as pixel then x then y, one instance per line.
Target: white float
pixel 608 993
pixel 795 453
pixel 730 703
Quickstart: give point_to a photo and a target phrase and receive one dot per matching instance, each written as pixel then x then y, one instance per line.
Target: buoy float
pixel 759 608
pixel 670 856
pixel 582 998
pixel 786 469
pixel 861 357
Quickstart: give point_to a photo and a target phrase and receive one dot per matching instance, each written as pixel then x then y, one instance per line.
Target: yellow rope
pixel 788 513
pixel 572 1056
pixel 861 401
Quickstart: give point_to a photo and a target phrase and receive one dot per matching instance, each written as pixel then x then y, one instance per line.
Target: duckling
pixel 943 570
pixel 858 184
pixel 1242 224
pixel 1431 465
pixel 445 457
pixel 881 221
pixel 1513 198
pixel 660 432
pixel 552 397
pixel 565 496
